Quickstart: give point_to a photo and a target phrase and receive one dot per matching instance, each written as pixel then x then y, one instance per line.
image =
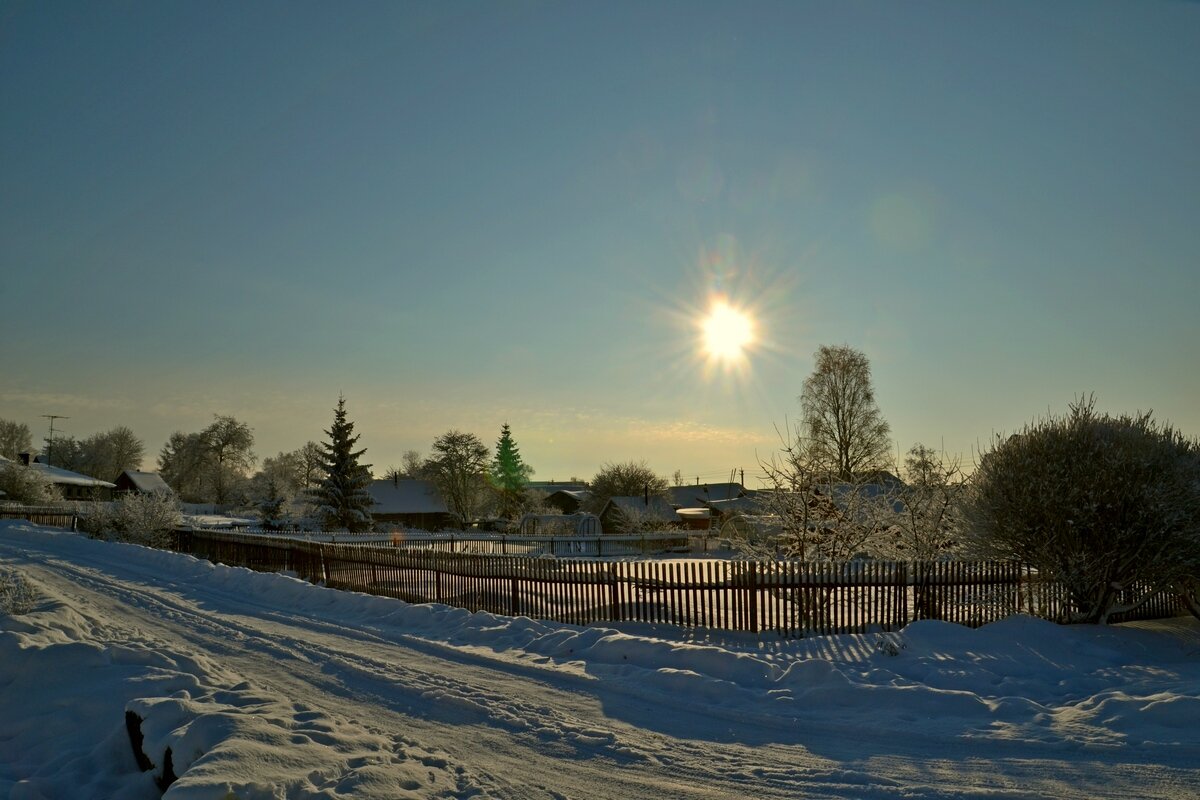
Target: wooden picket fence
pixel 789 598
pixel 54 516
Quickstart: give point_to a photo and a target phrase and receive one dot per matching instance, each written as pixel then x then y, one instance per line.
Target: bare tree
pixel 209 466
pixel 15 438
pixel 312 461
pixel 102 455
pixel 124 451
pixel 411 464
pixel 458 465
pixel 412 467
pixel 627 479
pixel 182 463
pixel 846 433
pixel 66 452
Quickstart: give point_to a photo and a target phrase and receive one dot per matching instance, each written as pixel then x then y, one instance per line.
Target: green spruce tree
pixel 341 498
pixel 510 475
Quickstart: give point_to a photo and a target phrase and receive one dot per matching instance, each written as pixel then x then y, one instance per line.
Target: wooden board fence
pixel 788 598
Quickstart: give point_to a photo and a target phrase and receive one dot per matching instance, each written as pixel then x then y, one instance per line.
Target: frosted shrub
pixel 17 595
pixel 146 519
pixel 1095 502
pixel 27 486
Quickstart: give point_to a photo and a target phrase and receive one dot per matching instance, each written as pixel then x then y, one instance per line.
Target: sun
pixel 726 332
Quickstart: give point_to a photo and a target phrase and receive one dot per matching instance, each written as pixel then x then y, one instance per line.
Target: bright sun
pixel 727 332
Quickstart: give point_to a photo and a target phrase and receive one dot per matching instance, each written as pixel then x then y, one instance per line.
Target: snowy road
pixel 271 687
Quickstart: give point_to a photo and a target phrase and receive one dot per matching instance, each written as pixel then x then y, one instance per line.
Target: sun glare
pixel 727 332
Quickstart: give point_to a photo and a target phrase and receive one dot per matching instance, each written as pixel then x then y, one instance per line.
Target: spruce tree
pixel 341 498
pixel 510 474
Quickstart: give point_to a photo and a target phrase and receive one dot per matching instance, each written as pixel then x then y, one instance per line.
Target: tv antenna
pixel 50 438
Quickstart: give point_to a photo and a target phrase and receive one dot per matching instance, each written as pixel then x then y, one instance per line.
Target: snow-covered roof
pixel 556 486
pixel 146 482
pixel 739 505
pixel 65 477
pixel 699 494
pixel 579 495
pixel 406 496
pixel 657 507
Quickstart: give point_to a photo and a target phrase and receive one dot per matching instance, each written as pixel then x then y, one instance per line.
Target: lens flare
pixel 726 332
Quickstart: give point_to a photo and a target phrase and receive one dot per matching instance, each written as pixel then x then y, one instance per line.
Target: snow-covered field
pixel 265 686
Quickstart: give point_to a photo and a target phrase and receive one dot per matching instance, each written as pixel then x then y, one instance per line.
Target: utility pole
pixel 50 438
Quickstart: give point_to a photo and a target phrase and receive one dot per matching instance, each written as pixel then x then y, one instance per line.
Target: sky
pixel 463 214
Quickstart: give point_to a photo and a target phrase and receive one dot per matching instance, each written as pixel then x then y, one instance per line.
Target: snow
pixel 265 686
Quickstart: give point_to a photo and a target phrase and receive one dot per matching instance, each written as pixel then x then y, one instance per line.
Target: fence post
pixel 614 612
pixel 752 596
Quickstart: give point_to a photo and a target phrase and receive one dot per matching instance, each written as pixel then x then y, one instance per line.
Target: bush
pixel 1095 502
pixel 17 595
pixel 27 486
pixel 146 519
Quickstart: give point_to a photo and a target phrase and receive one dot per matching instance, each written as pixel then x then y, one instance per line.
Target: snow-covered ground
pixel 263 686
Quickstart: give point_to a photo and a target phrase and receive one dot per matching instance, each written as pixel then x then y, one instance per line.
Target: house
pixel 853 498
pixel 72 485
pixel 702 494
pixel 568 501
pixel 133 481
pixel 560 525
pixel 411 503
pixel 549 487
pixel 622 513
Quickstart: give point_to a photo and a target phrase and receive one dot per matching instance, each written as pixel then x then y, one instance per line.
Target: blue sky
pixel 461 214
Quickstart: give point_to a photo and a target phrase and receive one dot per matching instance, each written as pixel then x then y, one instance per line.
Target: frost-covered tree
pixel 341 499
pixel 146 519
pixel 1095 502
pixel 278 481
pixel 807 513
pixel 510 475
pixel 26 485
pixel 846 433
pixel 15 438
pixel 458 466
pixel 929 523
pixel 229 444
pixel 271 502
